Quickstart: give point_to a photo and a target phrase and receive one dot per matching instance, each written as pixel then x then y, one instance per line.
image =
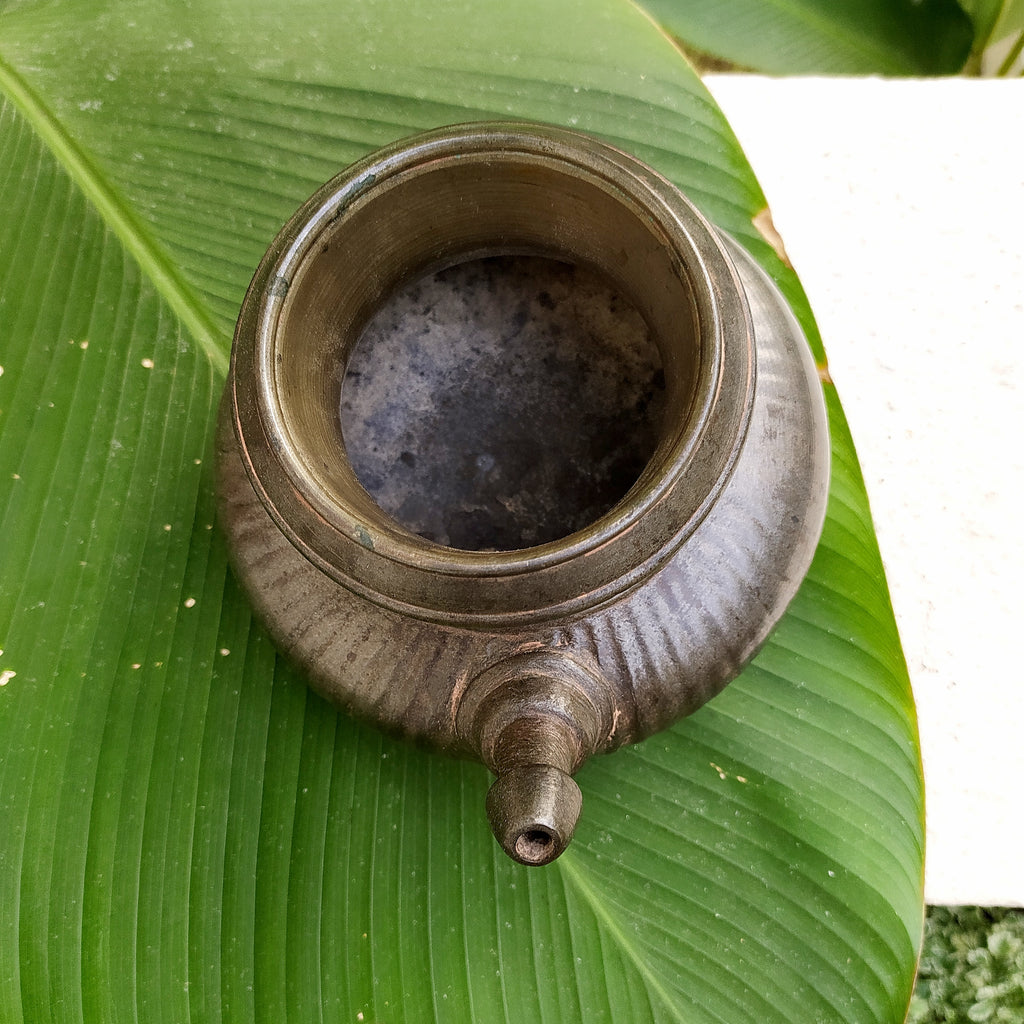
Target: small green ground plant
pixel 972 967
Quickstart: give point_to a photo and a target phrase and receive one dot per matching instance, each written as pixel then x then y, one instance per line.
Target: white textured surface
pixel 901 204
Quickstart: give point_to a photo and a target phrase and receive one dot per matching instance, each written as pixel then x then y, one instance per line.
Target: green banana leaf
pixel 827 37
pixel 186 832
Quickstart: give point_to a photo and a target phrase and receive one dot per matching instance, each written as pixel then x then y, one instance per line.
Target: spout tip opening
pixel 534 846
pixel 533 810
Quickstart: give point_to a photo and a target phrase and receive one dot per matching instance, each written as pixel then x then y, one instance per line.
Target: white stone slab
pixel 901 204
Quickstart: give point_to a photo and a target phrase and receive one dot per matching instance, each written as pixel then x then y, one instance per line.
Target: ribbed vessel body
pixel 537 656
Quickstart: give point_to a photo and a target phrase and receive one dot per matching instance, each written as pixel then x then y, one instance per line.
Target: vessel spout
pixel 533 809
pixel 533 720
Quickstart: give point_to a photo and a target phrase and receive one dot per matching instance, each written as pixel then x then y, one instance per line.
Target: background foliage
pixel 972 967
pixel 891 37
pixel 849 37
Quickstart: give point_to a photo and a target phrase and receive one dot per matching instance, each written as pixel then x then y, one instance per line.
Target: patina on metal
pixel 528 659
pixel 502 403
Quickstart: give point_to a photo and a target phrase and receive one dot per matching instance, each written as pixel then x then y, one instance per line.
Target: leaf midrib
pixel 118 215
pixel 655 985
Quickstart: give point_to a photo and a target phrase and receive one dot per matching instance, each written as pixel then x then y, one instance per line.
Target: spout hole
pixel 535 846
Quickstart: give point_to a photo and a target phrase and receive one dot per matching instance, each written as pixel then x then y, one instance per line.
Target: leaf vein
pixel 117 215
pixel 596 904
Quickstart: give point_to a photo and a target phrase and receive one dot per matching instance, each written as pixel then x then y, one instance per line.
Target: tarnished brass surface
pixel 532 659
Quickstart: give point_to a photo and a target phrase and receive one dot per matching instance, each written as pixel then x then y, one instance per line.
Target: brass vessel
pixel 531 659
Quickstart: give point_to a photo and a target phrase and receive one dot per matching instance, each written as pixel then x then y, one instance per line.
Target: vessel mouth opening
pixel 525 322
pixel 503 403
